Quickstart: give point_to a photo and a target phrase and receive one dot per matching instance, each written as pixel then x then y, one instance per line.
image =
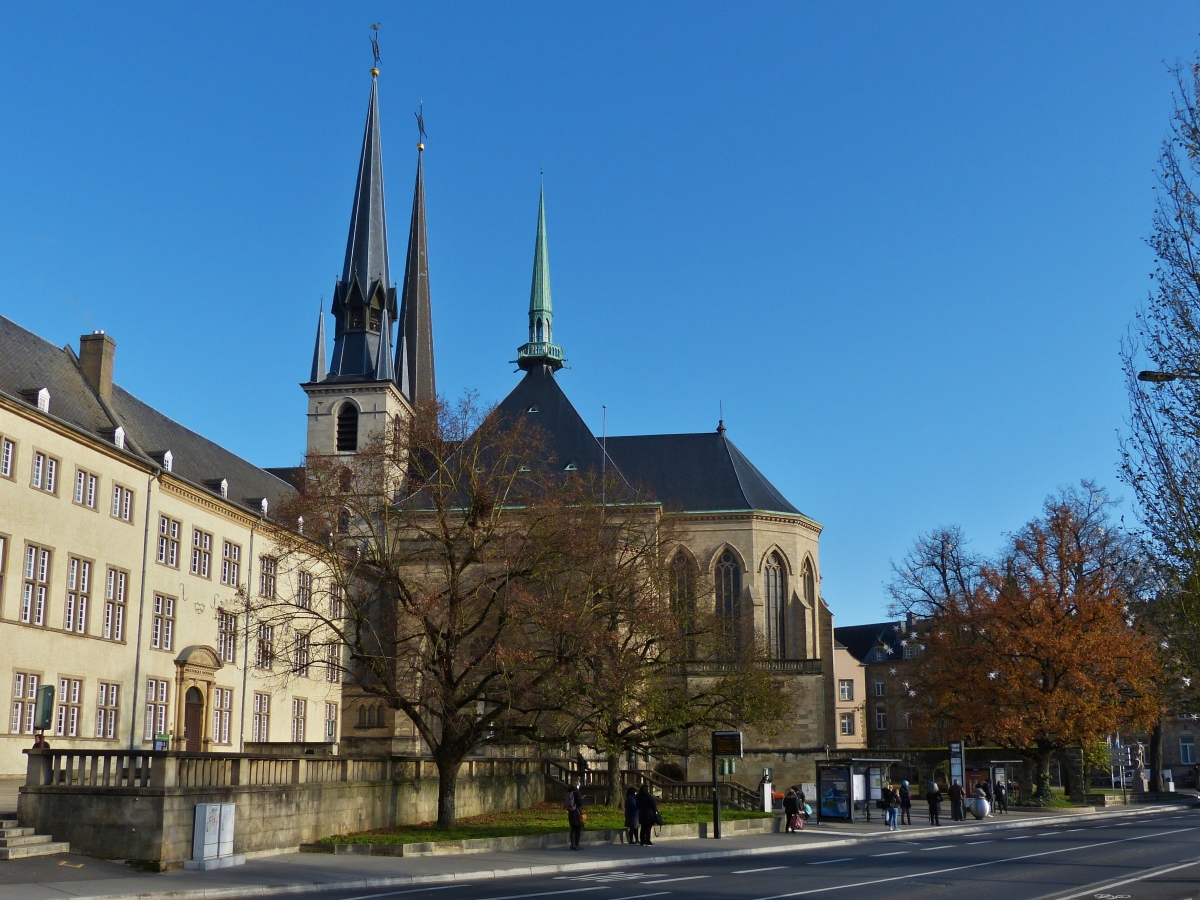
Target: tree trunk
pixel 1042 794
pixel 616 790
pixel 448 765
pixel 1156 757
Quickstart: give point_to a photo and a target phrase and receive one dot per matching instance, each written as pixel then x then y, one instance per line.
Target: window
pixel 231 556
pixel 846 689
pixel 122 503
pixel 1187 751
pixel 880 719
pixel 333 662
pixel 336 606
pixel 157 692
pixel 300 655
pixel 266 576
pixel 304 590
pixel 162 631
pixel 66 723
pixel 880 688
pixel 114 604
pixel 729 600
pixel 3 569
pixel 262 717
pixel 79 592
pixel 25 689
pixel 222 700
pixel 775 578
pixel 201 553
pixel 8 457
pixel 299 718
pixel 347 428
pixel 331 719
pixel 108 714
pixel 45 473
pixel 168 542
pixel 911 650
pixel 227 636
pixel 264 651
pixel 847 720
pixel 37 581
pixel 86 485
pixel 683 597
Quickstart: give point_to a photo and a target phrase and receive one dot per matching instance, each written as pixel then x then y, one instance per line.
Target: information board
pixel 956 763
pixel 727 744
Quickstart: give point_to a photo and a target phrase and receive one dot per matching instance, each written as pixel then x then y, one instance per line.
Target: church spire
pixel 383 355
pixel 364 292
pixel 541 349
pixel 415 341
pixel 318 366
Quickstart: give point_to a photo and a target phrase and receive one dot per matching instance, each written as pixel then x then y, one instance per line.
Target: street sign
pixel 44 715
pixel 956 763
pixel 727 744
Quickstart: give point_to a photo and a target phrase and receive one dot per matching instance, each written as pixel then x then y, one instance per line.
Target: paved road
pixel 1153 857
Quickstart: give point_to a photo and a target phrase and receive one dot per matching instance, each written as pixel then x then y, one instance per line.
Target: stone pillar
pixel 1073 768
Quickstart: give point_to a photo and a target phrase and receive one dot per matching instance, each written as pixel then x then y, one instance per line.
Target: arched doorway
pixel 193 720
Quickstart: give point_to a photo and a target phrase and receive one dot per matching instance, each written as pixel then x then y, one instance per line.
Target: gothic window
pixel 539 330
pixel 810 584
pixel 729 600
pixel 375 319
pixel 356 317
pixel 347 428
pixel 775 577
pixel 683 597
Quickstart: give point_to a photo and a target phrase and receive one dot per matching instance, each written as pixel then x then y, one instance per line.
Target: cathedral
pixel 755 547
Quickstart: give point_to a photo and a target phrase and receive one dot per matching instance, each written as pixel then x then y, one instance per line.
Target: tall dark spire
pixel 541 349
pixel 318 366
pixel 364 292
pixel 416 318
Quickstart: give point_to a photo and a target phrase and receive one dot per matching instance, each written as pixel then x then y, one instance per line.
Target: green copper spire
pixel 541 349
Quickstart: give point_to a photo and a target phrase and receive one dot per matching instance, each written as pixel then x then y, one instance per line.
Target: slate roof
pixel 689 472
pixel 28 362
pixel 860 640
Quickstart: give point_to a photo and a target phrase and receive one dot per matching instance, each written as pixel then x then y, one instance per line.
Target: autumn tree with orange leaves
pixel 1039 649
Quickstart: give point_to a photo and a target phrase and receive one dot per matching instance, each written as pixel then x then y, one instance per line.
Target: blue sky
pixel 899 242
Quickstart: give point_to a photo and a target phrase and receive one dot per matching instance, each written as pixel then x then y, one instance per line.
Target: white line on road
pixel 1021 838
pixel 991 862
pixel 410 891
pixel 988 841
pixel 893 853
pixel 939 847
pixel 639 896
pixel 826 862
pixel 680 878
pixel 551 893
pixel 1153 873
pixel 763 869
pixel 1069 830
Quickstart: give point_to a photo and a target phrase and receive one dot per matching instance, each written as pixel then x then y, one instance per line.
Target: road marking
pixel 992 862
pixel 1153 873
pixel 550 893
pixel 973 843
pixel 893 853
pixel 603 876
pixel 826 862
pixel 410 891
pixel 1044 833
pixel 764 869
pixel 680 878
pixel 1069 830
pixel 1021 838
pixel 639 896
pixel 939 847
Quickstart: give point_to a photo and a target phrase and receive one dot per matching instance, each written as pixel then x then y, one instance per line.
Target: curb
pixel 272 890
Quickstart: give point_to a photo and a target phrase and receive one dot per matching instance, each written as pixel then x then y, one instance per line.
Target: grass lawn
pixel 545 818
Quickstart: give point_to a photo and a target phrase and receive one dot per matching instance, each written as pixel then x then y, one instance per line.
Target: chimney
pixel 96 352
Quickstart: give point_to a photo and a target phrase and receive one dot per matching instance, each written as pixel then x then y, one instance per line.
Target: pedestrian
pixel 956 801
pixel 987 794
pixel 905 804
pixel 581 766
pixel 40 742
pixel 933 797
pixel 791 813
pixel 647 808
pixel 891 811
pixel 573 803
pixel 1001 792
pixel 631 815
pixel 985 806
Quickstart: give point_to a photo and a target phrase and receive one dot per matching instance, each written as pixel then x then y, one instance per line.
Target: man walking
pixel 1001 792
pixel 573 803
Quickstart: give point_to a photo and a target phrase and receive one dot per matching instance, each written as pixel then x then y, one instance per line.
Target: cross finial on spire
pixel 375 46
pixel 421 135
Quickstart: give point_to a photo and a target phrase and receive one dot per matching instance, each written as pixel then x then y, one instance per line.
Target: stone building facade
pixel 887 653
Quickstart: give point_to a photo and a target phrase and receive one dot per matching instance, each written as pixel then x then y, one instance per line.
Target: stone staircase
pixel 19 843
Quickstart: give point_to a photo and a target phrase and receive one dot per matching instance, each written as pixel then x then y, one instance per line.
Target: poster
pixel 835 793
pixel 956 763
pixel 876 785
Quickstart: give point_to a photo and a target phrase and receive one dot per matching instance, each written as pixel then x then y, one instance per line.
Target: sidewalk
pixel 72 875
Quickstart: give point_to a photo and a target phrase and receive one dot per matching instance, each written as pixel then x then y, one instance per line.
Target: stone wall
pixel 155 822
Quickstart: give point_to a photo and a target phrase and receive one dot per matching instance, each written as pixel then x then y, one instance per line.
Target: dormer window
pixel 571 467
pixel 375 315
pixel 356 317
pixel 532 409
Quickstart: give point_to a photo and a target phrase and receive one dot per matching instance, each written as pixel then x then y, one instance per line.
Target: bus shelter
pixel 848 788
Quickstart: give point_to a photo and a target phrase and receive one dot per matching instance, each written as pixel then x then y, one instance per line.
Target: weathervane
pixel 375 46
pixel 421 126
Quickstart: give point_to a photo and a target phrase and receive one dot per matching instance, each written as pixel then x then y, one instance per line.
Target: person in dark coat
pixel 933 796
pixel 791 812
pixel 647 808
pixel 631 816
pixel 573 803
pixel 905 804
pixel 956 801
pixel 1001 793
